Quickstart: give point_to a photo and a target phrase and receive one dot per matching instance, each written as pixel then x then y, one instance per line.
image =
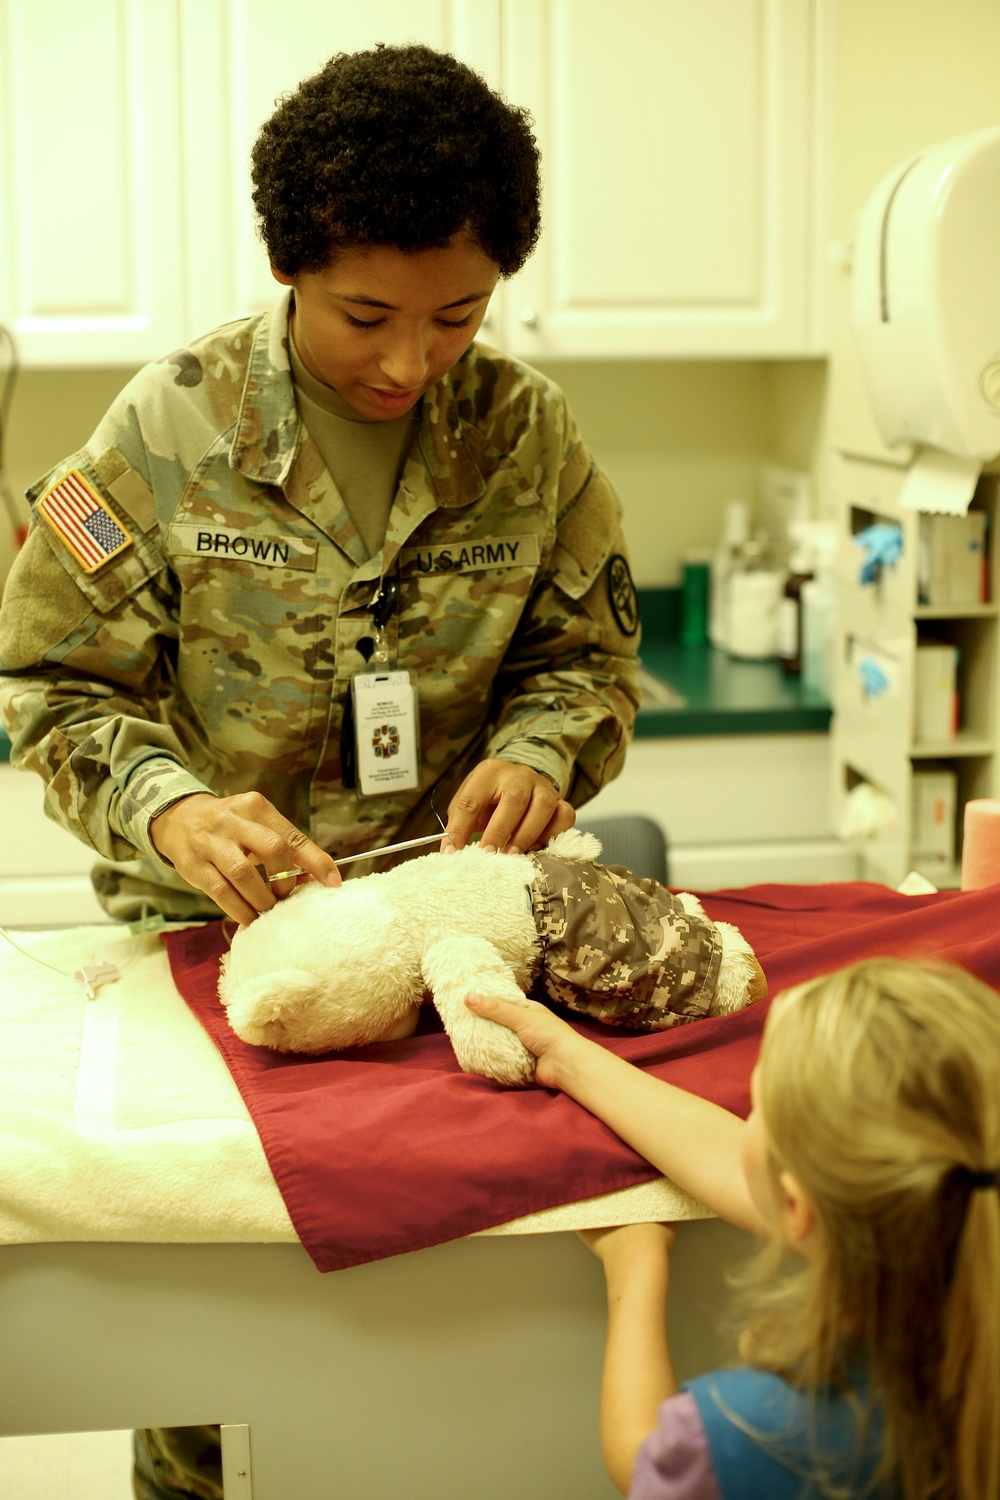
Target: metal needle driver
pixel 350 859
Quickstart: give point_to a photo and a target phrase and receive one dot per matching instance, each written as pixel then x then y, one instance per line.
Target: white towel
pixel 118 1118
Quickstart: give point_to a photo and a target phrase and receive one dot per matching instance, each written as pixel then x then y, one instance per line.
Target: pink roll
pixel 981 845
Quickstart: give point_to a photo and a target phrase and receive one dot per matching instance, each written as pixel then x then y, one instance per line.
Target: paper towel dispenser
pixel 926 298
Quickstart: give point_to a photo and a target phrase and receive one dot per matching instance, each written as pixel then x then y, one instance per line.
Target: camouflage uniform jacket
pixel 620 948
pixel 212 645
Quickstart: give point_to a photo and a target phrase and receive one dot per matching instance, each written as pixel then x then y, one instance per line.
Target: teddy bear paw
pixel 492 1050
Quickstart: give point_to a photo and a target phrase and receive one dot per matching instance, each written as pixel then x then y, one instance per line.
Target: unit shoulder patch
pixel 82 521
pixel 621 592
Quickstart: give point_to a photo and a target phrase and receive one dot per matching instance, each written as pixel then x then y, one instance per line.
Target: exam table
pixel 150 1275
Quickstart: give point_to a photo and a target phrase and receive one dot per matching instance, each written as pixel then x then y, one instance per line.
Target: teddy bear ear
pixel 574 843
pixel 741 980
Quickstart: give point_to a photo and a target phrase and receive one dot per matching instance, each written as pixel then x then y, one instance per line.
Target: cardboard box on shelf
pixel 932 819
pixel 935 692
pixel 951 560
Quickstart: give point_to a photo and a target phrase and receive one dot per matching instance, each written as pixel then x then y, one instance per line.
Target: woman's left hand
pixel 514 807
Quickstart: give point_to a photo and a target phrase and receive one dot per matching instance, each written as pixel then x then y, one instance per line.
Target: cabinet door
pixel 238 57
pixel 676 143
pixel 90 232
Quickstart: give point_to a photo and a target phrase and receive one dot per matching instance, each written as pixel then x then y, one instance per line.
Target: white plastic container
pixel 735 531
pixel 754 595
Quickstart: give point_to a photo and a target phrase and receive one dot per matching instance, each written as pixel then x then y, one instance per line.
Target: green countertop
pixel 708 692
pixel 720 695
pixel 712 692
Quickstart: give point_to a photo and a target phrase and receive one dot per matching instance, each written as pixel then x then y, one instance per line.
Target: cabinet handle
pixel 528 317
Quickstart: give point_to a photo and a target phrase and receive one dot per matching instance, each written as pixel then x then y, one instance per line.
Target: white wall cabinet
pixel 679 145
pixel 91 229
pixel 126 223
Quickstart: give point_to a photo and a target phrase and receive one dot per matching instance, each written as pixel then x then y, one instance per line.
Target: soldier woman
pixel 343 489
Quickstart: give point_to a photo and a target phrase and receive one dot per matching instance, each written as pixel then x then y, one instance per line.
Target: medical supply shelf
pixel 880 626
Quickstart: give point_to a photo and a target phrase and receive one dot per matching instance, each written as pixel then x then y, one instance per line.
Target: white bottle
pixel 735 531
pixel 754 595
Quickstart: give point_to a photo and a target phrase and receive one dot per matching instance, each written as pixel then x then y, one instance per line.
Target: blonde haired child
pixel 873 1152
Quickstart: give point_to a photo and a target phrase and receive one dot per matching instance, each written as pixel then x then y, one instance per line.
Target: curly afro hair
pixel 400 146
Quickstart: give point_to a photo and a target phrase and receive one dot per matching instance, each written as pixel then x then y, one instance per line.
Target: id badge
pixel 386 733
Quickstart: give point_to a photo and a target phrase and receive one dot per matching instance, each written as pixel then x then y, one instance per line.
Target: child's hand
pixel 621 1243
pixel 552 1042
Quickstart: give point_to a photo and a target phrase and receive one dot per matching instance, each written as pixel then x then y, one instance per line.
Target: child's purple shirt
pixel 674 1462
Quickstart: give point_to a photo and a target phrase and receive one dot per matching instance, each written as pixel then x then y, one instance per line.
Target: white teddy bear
pixel 332 968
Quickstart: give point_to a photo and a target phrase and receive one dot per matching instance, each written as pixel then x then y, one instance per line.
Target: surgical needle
pixel 350 859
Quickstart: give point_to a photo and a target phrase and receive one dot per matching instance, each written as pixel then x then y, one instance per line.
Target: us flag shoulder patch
pixel 80 518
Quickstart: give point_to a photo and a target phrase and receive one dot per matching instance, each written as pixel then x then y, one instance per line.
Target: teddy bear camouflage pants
pixel 620 948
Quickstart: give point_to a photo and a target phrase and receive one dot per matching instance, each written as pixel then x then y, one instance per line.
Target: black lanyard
pixel 383 607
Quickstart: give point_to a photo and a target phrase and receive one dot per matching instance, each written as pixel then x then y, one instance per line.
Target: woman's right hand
pixel 217 844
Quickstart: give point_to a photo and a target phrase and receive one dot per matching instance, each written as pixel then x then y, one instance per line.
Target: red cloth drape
pixel 390 1148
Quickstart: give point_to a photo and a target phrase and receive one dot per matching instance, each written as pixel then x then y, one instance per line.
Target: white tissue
pixel 939 482
pixel 867 813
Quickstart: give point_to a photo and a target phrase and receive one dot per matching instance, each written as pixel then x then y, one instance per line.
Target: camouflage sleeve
pixel 84 673
pixel 567 691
